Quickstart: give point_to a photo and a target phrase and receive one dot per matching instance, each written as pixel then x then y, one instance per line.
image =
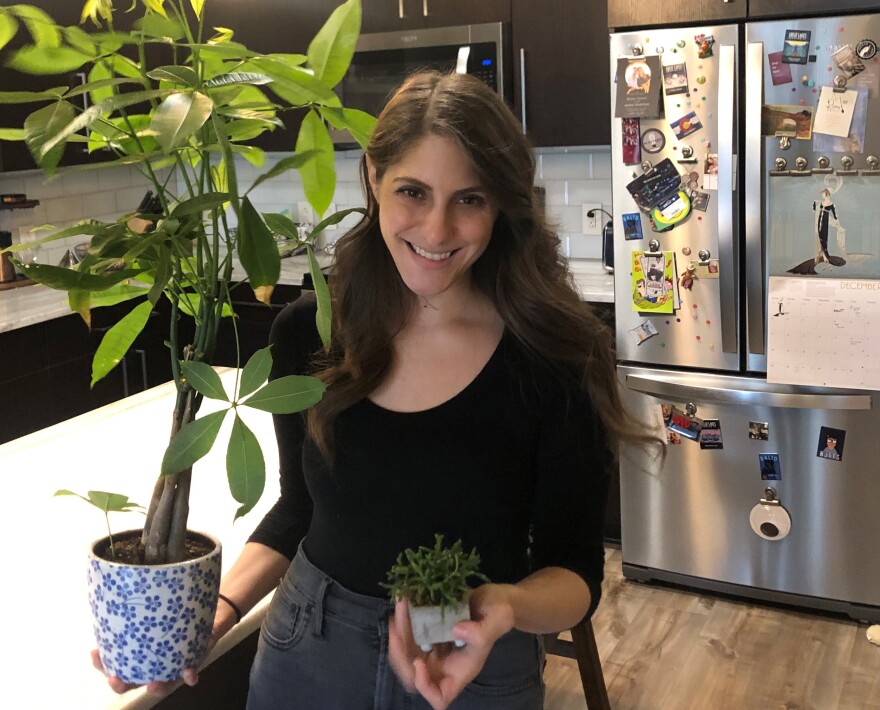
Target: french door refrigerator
pixel 746 196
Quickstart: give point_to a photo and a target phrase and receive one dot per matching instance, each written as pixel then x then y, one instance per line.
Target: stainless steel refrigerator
pixel 741 173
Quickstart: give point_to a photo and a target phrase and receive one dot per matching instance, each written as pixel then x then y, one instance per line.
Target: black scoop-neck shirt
pixel 514 465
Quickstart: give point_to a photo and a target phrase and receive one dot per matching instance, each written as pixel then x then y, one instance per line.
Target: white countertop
pixel 28 305
pixel 46 618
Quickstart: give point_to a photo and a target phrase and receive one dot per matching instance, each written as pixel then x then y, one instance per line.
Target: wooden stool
pixel 582 648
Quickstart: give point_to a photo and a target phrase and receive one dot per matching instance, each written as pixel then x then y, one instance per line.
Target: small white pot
pixel 431 624
pixel 153 621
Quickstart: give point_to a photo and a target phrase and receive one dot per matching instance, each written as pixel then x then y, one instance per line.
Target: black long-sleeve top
pixel 514 465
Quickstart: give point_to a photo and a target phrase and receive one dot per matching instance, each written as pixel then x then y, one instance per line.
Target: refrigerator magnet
pixel 631 136
pixel 796 49
pixel 682 423
pixel 675 79
pixel 687 124
pixel 704 45
pixel 710 435
pixel 632 226
pixel 830 444
pixel 780 72
pixel 771 468
pixel 848 61
pixel 759 431
pixel 866 49
pixel 700 200
pixel 642 332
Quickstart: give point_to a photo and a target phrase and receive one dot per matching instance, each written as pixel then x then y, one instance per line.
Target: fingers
pixel 399 656
pixel 428 689
pixel 157 688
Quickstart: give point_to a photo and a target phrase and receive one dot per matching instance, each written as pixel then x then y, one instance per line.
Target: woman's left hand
pixel 443 673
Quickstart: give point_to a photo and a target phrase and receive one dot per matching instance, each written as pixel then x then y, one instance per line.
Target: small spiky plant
pixel 434 576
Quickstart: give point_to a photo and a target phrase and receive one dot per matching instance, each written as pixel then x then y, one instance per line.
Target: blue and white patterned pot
pixel 151 622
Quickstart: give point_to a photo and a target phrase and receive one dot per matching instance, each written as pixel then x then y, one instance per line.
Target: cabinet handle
pixel 400 9
pixel 522 86
pixel 424 8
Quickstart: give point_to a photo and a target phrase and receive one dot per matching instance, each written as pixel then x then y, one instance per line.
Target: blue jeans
pixel 323 647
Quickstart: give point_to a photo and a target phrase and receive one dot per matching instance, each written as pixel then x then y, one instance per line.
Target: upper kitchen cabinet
pixel 561 70
pixel 626 13
pixel 799 8
pixel 391 15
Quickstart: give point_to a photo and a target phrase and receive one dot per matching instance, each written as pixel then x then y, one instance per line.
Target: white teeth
pixel 429 255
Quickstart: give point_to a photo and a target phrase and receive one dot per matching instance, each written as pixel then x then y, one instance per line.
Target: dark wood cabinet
pixel 623 14
pixel 47 369
pixel 797 8
pixel 391 15
pixel 563 47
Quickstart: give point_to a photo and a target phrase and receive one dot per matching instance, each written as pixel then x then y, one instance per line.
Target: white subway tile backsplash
pixel 569 219
pixel 554 193
pixel 39 187
pixel 81 182
pixel 582 246
pixel 64 209
pixel 97 203
pixel 128 199
pixel 563 166
pixel 601 165
pixel 580 191
pixel 112 179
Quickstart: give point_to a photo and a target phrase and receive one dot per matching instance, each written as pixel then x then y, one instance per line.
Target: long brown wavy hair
pixel 521 271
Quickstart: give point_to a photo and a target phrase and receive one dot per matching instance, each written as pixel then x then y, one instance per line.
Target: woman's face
pixel 435 216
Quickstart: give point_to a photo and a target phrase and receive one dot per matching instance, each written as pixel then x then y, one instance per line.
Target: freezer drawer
pixel 687 520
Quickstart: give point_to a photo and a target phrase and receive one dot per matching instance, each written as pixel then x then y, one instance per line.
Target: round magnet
pixel 653 140
pixel 866 49
pixel 701 79
pixel 771 522
pixel 660 49
pixel 686 251
pixel 681 44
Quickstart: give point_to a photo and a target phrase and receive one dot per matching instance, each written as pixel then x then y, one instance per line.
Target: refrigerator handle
pixel 726 177
pixel 754 188
pixel 755 398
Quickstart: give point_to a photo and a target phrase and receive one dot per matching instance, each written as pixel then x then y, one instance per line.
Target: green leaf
pixel 322 293
pixel 62 279
pixel 108 502
pixel 255 372
pixel 42 27
pixel 334 218
pixel 176 74
pixel 40 129
pixel 244 129
pixel 8 28
pixel 47 60
pixel 93 87
pixel 204 379
pixel 224 34
pixel 195 301
pixel 97 8
pixel 287 395
pixel 115 132
pixel 157 6
pixel 331 50
pixel 118 340
pixel 197 6
pixel 115 294
pixel 11 134
pixel 101 71
pixel 319 174
pixel 359 124
pixel 295 161
pixel 290 60
pixel 179 116
pixel 223 50
pixel 199 204
pixel 27 97
pixel 80 40
pixel 162 28
pixel 93 112
pixel 193 441
pixel 258 252
pixel 255 156
pixel 245 467
pixel 296 85
pixel 281 225
pixel 251 78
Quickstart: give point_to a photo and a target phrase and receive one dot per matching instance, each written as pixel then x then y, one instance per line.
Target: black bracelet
pixel 233 605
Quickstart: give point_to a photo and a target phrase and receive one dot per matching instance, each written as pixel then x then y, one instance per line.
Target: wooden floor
pixel 667 649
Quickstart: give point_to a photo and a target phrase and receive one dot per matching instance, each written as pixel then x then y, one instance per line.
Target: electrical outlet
pixel 304 213
pixel 592 224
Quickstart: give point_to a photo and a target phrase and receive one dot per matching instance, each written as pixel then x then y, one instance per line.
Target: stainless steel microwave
pixel 383 60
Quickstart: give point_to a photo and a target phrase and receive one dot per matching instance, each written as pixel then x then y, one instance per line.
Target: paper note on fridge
pixel 834 113
pixel 824 332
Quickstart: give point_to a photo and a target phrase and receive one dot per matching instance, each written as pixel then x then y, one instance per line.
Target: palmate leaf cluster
pixel 434 576
pixel 184 124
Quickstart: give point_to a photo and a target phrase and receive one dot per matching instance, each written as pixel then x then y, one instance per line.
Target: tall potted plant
pixel 182 124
